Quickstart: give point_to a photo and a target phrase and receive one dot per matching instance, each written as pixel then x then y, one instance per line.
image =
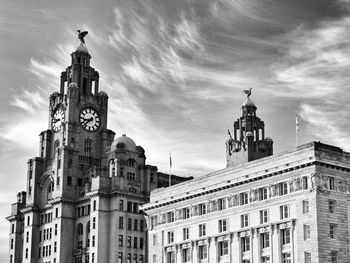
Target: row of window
pixel 45 251
pixel 83 210
pixel 138 225
pixel 138 243
pixel 135 259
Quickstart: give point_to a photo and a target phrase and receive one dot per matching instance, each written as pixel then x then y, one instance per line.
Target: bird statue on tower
pixel 248 92
pixel 81 36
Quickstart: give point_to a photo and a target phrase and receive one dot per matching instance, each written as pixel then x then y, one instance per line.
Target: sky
pixel 174 71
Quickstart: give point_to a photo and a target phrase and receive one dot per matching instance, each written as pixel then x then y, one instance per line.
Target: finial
pixel 248 92
pixel 81 36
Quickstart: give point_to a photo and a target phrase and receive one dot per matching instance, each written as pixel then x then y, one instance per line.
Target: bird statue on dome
pixel 248 92
pixel 81 36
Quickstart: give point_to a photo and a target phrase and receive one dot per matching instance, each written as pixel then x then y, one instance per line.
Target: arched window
pixel 111 166
pixel 50 189
pixel 80 229
pixel 131 162
pixel 88 147
pixel 70 163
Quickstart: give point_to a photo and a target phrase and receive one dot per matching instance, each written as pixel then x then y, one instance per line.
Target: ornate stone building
pixel 83 191
pixel 290 208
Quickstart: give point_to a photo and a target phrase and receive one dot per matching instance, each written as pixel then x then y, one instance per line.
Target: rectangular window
pixel 69 180
pixel 186 213
pixel 222 204
pixel 27 237
pixel 93 241
pixel 129 224
pixel 141 243
pixel 142 225
pixel 129 258
pixel 307 257
pixel 334 256
pixel 305 206
pixel 263 193
pixel 135 242
pixel 154 238
pixel 28 220
pixel 136 224
pixel 12 228
pixel 171 217
pixel 202 229
pixel 203 253
pixel 284 211
pixel 26 252
pixel 245 220
pixel 55 247
pixel 222 224
pixel 332 206
pixel 121 222
pixel 202 209
pixel 306 232
pixel 286 258
pixel 283 188
pixel 170 237
pixel 94 205
pixel 305 183
pixel 121 240
pixel 129 241
pixel 285 236
pixel 170 257
pixel 265 240
pixel 186 255
pixel 265 259
pixel 223 248
pixel 93 222
pixel 264 216
pixel 243 197
pixel 245 241
pixel 121 205
pixel 120 257
pixel 332 230
pixel 129 206
pixel 56 227
pixel 186 233
pixel 11 246
pixel 331 183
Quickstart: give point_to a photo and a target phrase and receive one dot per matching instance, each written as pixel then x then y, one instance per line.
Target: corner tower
pixel 248 142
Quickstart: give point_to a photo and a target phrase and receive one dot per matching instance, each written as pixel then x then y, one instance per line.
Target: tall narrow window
pixel 88 147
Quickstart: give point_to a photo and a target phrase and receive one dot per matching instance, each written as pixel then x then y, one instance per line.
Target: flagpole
pixel 170 169
pixel 296 128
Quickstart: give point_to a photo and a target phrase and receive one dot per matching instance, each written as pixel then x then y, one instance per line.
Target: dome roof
pixel 123 142
pixel 248 134
pixel 248 102
pixel 73 85
pixel 54 94
pixel 102 93
pixel 82 48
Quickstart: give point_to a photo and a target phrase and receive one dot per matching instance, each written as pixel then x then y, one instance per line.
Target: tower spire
pixel 248 142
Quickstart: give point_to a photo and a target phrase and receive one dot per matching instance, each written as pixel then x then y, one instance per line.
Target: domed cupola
pixel 123 143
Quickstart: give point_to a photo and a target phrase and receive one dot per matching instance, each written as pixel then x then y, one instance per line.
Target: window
pixel 285 236
pixel 26 252
pixel 121 240
pixel 265 259
pixel 56 226
pixel 283 188
pixel 305 183
pixel 12 228
pixel 202 230
pixel 286 258
pixel 93 241
pixel 306 232
pixel 121 222
pixel 186 255
pixel 222 225
pixel 263 193
pixel 246 261
pixel 135 242
pixel 141 243
pixel 305 206
pixel 55 247
pixel 170 237
pixel 331 183
pixel 171 217
pixel 222 204
pixel 129 241
pixel 142 225
pixel 244 220
pixel 79 244
pixel 88 147
pixel 94 205
pixel 332 206
pixel 264 216
pixel 243 197
pixel 129 258
pixel 11 246
pixel 202 209
pixel 69 180
pixel 203 254
pixel 170 257
pixel 28 220
pixel 332 230
pixel 129 224
pixel 121 205
pixel 284 211
pixel 186 213
pixel 334 256
pixel 186 233
pixel 307 257
pixel 245 241
pixel 80 229
pixel 154 237
pixel 120 257
pixel 136 224
pixel 265 240
pixel 223 248
pixel 27 237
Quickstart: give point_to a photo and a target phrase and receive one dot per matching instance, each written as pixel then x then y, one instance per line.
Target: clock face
pixel 57 120
pixel 89 119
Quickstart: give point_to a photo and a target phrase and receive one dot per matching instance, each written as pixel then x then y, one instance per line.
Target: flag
pixel 170 162
pixel 229 133
pixel 296 122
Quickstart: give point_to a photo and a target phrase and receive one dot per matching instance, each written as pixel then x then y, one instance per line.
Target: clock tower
pixel 84 189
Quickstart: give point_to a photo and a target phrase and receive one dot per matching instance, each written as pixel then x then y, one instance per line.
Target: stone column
pixel 292 240
pixel 177 254
pixel 194 252
pixel 212 255
pixel 275 246
pixel 236 248
pixel 255 246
